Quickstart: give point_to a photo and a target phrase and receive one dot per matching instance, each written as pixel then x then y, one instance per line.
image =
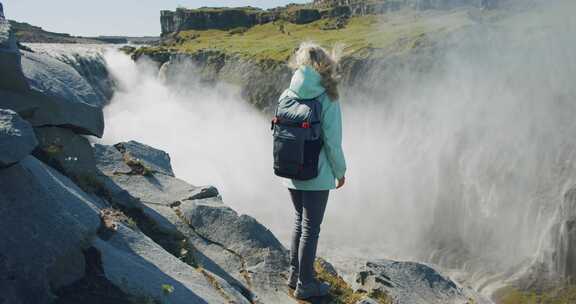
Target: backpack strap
pixel 284 122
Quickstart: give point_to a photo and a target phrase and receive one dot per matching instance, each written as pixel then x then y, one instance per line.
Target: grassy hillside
pixel 394 32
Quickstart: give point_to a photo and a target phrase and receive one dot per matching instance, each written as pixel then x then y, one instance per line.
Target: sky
pixel 110 17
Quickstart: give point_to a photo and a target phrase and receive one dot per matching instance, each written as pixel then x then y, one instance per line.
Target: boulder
pixel 41 110
pixel 46 91
pixel 143 269
pixel 409 283
pixel 17 138
pixel 45 222
pixel 57 79
pixel 67 151
pixel 234 247
pixel 89 62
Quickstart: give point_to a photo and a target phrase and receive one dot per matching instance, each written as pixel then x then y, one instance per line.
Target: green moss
pixel 167 289
pixel 342 293
pixel 52 149
pixel 277 40
pixel 565 295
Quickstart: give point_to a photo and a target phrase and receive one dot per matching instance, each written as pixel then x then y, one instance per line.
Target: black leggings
pixel 309 207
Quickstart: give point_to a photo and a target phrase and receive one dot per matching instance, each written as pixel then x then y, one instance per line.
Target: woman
pixel 315 76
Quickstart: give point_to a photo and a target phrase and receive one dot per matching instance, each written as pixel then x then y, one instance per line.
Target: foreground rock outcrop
pixel 45 91
pixel 46 221
pixel 193 222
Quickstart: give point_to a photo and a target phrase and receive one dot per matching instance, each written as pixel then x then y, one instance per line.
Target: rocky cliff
pixel 183 19
pixel 213 18
pixel 91 223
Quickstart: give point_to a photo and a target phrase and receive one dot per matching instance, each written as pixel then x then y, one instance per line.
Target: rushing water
pixel 463 166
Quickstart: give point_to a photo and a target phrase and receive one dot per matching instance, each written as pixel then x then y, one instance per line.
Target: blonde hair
pixel 324 62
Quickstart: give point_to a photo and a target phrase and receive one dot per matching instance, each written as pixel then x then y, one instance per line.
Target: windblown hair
pixel 324 62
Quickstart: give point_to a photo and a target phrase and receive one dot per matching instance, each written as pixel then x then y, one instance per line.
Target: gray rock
pixel 140 267
pixel 12 77
pixel 154 159
pixel 45 222
pixel 71 153
pixel 235 247
pixel 327 267
pixel 57 79
pixel 409 283
pixel 17 138
pixel 263 260
pixel 48 92
pixel 41 110
pixel 87 59
pixel 110 161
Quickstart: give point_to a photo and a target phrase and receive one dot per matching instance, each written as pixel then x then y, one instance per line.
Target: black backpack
pixel 297 137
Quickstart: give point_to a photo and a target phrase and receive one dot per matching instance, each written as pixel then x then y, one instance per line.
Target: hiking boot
pixel 312 289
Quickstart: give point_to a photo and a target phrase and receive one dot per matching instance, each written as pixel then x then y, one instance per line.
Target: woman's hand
pixel 341 182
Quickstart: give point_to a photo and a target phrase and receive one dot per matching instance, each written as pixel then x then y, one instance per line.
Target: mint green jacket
pixel 306 84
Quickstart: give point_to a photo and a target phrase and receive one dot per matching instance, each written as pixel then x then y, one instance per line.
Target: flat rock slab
pixel 156 160
pixel 409 283
pixel 45 222
pixel 17 139
pixel 140 267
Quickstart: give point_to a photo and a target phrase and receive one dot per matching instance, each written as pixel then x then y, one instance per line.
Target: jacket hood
pixel 306 83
